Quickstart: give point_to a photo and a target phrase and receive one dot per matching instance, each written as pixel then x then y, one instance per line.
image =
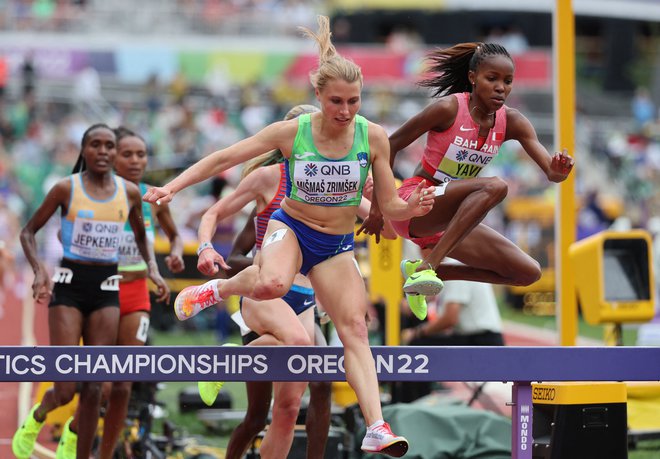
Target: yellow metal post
pixel 386 283
pixel 564 114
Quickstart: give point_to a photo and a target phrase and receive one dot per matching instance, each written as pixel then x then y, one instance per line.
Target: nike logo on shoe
pixel 464 129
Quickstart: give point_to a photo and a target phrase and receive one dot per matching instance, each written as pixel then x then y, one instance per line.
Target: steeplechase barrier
pixel 520 365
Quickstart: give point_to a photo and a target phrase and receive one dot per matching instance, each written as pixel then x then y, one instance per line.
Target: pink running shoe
pixel 381 440
pixel 192 300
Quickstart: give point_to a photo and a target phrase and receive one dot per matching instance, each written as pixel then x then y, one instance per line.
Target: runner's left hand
pixel 561 165
pixel 421 200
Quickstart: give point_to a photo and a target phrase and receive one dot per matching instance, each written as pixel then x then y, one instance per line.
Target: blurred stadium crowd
pixel 618 156
pixel 256 17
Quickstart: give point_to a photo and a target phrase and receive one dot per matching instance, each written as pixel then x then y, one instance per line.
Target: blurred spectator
pixel 510 36
pixel 653 227
pixel 28 74
pixel 649 334
pixel 217 81
pixel 403 39
pixel 4 11
pixel 185 132
pixel 467 315
pixel 152 95
pixel 341 30
pixel 216 128
pixel 22 14
pixel 255 116
pixel 43 12
pixel 643 108
pixel 22 116
pixel 591 217
pixel 616 149
pixel 88 84
pixel 179 87
pixel 87 88
pixel 9 229
pixel 4 76
pixel 6 129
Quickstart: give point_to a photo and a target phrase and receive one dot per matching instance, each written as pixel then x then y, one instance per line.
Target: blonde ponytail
pixel 332 66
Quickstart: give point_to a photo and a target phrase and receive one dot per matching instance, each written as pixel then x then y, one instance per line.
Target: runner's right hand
pixel 42 287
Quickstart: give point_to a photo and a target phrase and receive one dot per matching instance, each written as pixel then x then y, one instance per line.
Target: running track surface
pixel 11 334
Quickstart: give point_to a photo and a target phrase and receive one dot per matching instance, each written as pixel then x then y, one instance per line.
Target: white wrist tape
pixel 203 246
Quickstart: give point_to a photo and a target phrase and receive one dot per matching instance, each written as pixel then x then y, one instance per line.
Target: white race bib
pixel 96 239
pixel 323 182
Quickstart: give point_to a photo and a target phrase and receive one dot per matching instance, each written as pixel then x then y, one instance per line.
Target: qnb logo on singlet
pixel 327 182
pixel 460 162
pixel 461 155
pixel 111 284
pixel 62 275
pixel 98 240
pixel 311 170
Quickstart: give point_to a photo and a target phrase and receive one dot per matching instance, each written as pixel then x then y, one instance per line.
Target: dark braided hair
pixel 450 66
pixel 80 162
pixel 122 132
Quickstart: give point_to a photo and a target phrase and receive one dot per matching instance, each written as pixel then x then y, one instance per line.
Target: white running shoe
pixel 381 440
pixel 194 299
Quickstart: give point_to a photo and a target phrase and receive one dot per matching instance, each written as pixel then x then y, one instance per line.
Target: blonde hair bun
pixel 298 110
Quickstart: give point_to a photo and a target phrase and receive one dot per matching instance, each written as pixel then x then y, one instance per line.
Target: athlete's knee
pixel 271 287
pixel 254 423
pixel 296 336
pixel 352 328
pixel 287 407
pixel 64 394
pixel 496 188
